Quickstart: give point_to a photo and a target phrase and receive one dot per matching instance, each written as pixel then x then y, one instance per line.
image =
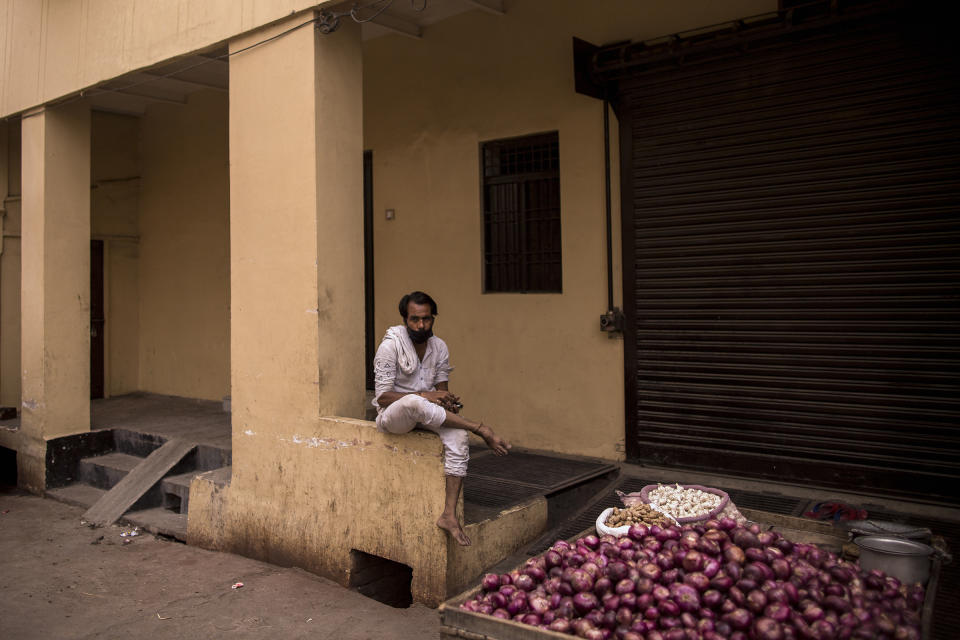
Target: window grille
pixel 521 214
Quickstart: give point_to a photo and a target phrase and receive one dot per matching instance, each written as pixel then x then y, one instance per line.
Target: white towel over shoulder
pixel 407 357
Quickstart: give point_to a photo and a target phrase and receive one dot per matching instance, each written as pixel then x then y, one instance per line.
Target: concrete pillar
pixel 296 238
pixel 55 299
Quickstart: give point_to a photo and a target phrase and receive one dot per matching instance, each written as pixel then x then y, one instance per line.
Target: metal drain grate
pixel 772 503
pixel 531 469
pixel 492 492
pixel 588 515
pixel 495 483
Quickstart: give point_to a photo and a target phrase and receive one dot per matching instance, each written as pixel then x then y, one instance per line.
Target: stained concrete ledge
pixel 308 499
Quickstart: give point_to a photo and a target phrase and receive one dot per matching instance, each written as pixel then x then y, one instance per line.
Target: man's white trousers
pixel 411 411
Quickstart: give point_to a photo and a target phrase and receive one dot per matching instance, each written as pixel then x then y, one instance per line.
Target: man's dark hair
pixel 417 297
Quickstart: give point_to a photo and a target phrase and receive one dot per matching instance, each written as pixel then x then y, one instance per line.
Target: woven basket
pixel 644 493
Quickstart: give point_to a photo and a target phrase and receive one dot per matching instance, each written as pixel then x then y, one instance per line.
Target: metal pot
pixel 907 560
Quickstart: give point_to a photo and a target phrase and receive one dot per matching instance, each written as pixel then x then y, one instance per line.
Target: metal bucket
pixel 907 560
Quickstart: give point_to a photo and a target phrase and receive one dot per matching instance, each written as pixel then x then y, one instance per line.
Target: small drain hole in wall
pixel 383 580
pixel 8 468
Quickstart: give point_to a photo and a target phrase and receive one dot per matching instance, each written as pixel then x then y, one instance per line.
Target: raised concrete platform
pixel 198 421
pixel 350 488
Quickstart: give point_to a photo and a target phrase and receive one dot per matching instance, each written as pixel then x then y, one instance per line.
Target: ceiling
pixel 408 17
pixel 172 81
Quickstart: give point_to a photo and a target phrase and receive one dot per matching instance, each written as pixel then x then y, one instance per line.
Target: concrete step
pixel 77 494
pixel 159 521
pixel 156 520
pixel 176 491
pixel 136 484
pixel 104 472
pixel 136 443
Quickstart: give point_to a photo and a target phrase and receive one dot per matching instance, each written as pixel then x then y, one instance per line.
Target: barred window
pixel 521 214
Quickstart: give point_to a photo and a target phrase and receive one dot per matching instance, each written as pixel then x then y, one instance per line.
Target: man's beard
pixel 419 336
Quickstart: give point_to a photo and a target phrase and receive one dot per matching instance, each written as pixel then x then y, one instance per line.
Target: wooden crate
pixel 457 623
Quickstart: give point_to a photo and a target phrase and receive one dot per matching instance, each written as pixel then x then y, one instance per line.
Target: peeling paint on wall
pixel 331 444
pixel 328 443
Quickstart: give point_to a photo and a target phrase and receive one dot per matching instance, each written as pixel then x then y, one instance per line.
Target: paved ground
pixel 59 579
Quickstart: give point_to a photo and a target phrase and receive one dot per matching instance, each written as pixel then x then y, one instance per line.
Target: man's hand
pixel 444 398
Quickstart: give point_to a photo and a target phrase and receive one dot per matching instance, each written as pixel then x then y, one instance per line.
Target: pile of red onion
pixel 706 581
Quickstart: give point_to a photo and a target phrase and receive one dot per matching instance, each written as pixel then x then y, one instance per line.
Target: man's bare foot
pixel 451 524
pixel 495 442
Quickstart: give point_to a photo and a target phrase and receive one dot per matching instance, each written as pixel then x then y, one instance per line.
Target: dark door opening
pixel 97 319
pixel 370 341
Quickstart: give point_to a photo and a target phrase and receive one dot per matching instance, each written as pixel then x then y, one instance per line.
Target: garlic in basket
pixel 683 503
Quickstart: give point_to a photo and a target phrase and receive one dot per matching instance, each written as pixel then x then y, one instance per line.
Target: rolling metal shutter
pixel 793 253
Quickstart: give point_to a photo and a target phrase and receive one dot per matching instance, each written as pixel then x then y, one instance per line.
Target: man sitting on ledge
pixel 412 369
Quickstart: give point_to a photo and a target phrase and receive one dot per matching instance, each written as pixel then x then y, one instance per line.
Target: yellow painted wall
pixel 184 250
pixel 114 175
pixel 122 370
pixel 535 366
pixel 4 164
pixel 51 48
pixel 10 310
pixel 184 337
pixel 114 212
pixel 114 151
pixel 10 265
pixel 114 167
